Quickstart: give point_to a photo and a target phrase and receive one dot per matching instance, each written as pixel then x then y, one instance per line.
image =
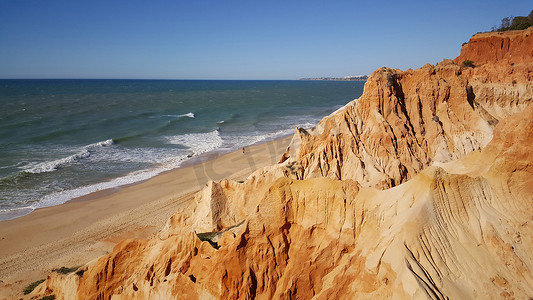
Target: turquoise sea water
pixel 61 139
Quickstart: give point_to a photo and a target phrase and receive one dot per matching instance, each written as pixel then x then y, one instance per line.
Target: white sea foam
pixel 145 155
pixel 198 143
pixel 66 195
pixel 190 115
pixel 12 213
pixel 167 163
pixel 101 144
pixel 50 166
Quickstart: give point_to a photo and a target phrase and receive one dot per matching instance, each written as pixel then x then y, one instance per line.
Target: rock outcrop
pixel 408 120
pixel 512 47
pixel 421 188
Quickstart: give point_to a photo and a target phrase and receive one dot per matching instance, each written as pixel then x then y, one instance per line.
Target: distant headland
pixel 345 78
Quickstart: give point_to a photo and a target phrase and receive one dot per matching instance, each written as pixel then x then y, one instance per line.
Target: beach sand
pixel 83 229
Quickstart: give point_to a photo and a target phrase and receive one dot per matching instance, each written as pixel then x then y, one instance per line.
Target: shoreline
pixel 87 227
pixel 191 161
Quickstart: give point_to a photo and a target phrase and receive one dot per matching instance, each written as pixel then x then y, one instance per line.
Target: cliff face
pixel 402 123
pixel 421 188
pixel 511 47
pixel 406 121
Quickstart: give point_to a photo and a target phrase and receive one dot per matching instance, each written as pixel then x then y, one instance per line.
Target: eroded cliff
pixel 421 188
pixel 406 121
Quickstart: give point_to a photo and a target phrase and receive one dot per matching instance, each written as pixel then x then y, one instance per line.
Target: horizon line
pixel 175 79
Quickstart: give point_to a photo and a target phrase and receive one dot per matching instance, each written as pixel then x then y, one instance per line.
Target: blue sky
pixel 225 39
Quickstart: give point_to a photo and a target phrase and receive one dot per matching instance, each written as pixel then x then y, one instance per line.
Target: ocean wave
pixel 12 213
pixel 170 123
pixel 50 166
pixel 141 156
pixel 60 197
pixel 228 122
pixel 126 138
pixel 190 115
pixel 105 143
pixel 234 117
pixel 16 165
pixel 198 143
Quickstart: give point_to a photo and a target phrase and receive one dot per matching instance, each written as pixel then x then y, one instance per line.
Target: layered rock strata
pixel 407 120
pixel 422 188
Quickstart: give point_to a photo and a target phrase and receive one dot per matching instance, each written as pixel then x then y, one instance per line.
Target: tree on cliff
pixel 516 23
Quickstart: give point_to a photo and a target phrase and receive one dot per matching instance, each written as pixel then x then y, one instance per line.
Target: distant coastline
pixel 345 78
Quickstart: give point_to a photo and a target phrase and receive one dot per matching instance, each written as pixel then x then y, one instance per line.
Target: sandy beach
pixel 83 229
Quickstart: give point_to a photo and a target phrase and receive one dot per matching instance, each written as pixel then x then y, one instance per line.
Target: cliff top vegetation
pixel 516 23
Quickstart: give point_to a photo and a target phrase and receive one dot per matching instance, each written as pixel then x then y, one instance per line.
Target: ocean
pixel 62 139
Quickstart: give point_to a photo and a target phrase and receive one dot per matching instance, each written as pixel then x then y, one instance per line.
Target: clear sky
pixel 227 39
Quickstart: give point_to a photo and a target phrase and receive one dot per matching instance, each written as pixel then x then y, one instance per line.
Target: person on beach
pixel 242 150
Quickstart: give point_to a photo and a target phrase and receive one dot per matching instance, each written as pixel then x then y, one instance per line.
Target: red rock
pixel 510 47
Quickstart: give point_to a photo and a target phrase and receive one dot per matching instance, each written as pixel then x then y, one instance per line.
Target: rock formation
pixel 510 47
pixel 405 121
pixel 422 188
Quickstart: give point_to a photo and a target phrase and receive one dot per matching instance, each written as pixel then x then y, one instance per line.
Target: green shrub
pixel 208 237
pixel 520 23
pixel 468 64
pixel 32 286
pixel 516 23
pixel 49 297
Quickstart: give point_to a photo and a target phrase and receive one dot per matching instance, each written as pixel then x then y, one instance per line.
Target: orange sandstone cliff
pixel 421 188
pixel 511 47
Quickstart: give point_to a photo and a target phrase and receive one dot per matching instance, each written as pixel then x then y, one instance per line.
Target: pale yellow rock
pixel 226 239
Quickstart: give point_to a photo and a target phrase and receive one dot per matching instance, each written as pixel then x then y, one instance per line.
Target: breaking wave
pixel 50 166
pixel 197 143
pixel 190 115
